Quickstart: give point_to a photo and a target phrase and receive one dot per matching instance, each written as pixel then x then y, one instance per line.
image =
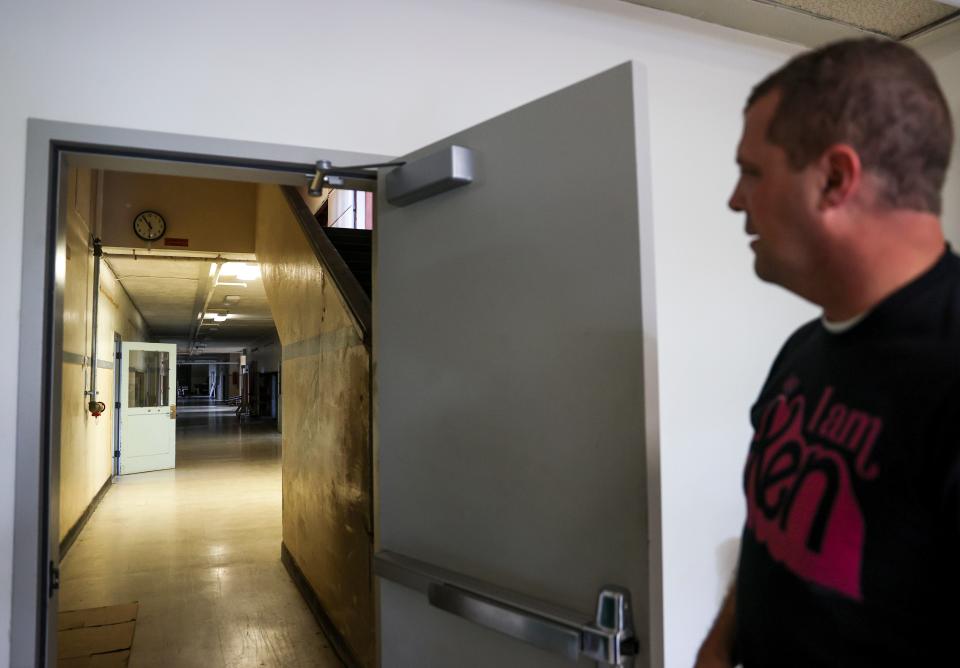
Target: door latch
pixel 611 639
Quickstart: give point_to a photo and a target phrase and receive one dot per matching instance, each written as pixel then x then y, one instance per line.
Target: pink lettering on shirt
pixel 801 501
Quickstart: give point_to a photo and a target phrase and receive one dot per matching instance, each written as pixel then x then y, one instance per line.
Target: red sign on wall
pixel 174 241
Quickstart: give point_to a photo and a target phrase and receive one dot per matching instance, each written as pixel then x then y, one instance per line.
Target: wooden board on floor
pixel 96 637
pixel 111 614
pixel 109 660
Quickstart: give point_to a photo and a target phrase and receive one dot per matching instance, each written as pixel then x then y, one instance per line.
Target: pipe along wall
pixel 95 406
pixel 86 442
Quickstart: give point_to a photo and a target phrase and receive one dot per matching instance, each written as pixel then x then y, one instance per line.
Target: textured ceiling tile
pixel 124 267
pixel 165 291
pixel 894 18
pixel 813 23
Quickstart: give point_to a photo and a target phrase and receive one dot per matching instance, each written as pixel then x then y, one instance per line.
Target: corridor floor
pixel 199 547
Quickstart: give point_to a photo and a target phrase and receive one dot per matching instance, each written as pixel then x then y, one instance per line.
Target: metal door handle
pixel 608 639
pixel 531 628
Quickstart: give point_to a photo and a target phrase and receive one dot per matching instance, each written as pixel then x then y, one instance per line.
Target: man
pixel 851 550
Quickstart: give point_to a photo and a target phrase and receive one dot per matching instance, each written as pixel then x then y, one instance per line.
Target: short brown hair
pixel 879 97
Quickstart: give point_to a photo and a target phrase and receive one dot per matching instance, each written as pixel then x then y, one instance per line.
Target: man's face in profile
pixel 780 202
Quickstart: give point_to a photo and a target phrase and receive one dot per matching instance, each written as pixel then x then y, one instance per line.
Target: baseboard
pixel 337 641
pixel 75 530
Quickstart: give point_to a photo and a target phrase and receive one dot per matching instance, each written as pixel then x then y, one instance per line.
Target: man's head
pixel 838 136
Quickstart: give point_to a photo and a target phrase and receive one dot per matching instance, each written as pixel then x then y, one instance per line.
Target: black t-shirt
pixel 851 549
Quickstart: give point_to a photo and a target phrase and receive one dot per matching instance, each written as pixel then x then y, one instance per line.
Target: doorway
pixel 50 146
pixel 470 328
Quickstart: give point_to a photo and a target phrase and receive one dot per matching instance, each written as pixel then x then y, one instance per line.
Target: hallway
pixel 199 547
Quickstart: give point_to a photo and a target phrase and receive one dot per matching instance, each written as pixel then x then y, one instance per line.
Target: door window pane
pixel 149 379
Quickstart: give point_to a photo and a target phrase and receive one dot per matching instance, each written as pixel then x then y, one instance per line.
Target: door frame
pixel 50 144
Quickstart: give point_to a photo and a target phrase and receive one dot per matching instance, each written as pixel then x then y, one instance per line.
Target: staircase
pixel 356 249
pixel 345 255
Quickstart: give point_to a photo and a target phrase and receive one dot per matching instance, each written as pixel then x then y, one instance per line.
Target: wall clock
pixel 149 225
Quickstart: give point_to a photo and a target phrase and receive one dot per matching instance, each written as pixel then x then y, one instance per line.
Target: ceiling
pixel 170 292
pixel 814 22
pixel 897 19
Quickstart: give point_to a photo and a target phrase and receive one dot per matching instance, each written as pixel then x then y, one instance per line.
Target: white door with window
pixel 518 494
pixel 148 409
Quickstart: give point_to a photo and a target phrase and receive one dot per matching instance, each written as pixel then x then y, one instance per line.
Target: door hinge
pixel 117 355
pixel 116 404
pixel 54 580
pixel 116 453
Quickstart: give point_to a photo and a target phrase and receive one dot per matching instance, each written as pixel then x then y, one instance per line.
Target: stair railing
pixel 354 296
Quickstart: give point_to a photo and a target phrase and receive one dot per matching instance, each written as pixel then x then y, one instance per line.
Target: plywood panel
pixel 327 488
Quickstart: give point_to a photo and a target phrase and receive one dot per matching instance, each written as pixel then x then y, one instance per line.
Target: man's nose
pixel 736 200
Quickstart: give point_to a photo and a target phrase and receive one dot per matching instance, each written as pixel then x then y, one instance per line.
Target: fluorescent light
pixel 235 285
pixel 241 271
pixel 213 268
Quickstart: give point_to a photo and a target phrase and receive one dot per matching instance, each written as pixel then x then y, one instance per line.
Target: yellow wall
pixel 212 215
pixel 86 443
pixel 327 487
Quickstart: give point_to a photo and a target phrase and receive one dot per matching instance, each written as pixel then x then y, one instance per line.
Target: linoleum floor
pixel 199 547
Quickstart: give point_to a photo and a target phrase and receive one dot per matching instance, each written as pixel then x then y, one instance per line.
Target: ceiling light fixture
pixel 241 271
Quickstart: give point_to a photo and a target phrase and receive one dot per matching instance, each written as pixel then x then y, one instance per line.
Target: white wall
pixel 948 71
pixel 252 71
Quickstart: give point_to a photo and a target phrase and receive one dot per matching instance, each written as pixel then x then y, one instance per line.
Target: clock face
pixel 149 225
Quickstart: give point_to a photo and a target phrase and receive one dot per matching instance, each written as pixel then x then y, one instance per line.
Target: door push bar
pixel 448 168
pixel 608 638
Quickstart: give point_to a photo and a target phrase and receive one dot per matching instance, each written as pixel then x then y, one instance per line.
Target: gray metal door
pixel 515 391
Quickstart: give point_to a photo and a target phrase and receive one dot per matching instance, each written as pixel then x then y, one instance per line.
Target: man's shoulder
pixel 803 334
pixel 923 313
pixel 937 306
pixel 801 337
pixel 952 289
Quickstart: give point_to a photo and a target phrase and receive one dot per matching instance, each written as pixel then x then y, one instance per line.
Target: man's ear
pixel 841 172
